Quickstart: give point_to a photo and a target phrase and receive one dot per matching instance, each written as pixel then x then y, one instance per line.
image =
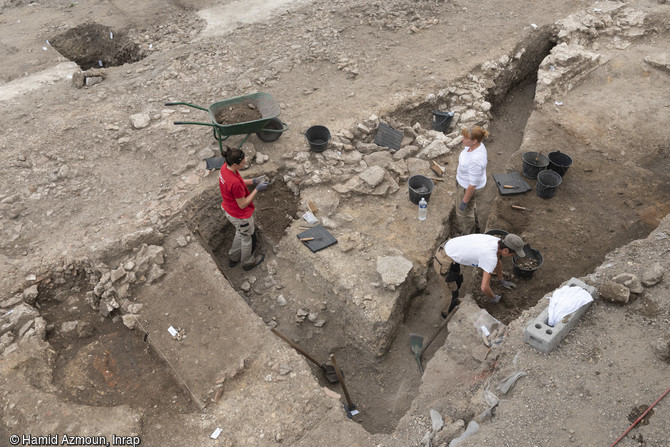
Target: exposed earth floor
pixel 100 186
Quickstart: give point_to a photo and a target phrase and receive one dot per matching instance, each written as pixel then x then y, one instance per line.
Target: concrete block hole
pixel 548 331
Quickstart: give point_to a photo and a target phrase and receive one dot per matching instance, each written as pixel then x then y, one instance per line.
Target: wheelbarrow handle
pixel 186 104
pixel 196 123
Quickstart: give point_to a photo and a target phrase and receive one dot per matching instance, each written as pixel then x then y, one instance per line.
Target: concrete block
pixel 545 338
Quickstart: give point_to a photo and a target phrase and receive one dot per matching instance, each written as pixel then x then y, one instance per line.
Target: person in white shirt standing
pixel 471 177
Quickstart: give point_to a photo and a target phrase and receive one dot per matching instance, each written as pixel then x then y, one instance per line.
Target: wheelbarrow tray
pixel 264 103
pixel 268 128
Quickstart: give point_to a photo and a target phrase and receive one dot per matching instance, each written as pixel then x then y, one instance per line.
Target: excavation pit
pixel 97 46
pixel 101 363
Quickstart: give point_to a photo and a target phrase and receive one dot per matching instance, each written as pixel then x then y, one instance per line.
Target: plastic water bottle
pixel 423 209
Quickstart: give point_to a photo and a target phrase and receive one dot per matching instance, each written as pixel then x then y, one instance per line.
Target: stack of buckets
pixel 535 166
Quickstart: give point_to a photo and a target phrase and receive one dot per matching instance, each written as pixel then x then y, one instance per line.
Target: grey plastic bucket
pixel 419 187
pixel 532 164
pixel 318 138
pixel 547 182
pixel 559 162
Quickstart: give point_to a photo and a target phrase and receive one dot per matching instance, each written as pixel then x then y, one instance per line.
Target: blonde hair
pixel 475 133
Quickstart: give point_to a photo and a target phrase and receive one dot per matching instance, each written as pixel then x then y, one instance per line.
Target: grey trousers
pixel 242 248
pixel 466 221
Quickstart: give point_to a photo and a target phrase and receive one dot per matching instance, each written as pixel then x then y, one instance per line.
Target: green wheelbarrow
pixel 268 128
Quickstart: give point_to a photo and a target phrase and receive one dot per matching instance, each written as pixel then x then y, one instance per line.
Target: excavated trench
pixel 125 370
pixel 381 387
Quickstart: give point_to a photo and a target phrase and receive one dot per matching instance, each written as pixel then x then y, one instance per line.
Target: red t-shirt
pixel 232 187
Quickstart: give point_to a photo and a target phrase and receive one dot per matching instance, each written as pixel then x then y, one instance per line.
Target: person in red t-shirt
pixel 238 205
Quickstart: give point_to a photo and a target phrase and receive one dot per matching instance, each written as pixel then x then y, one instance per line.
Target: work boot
pixel 454 303
pixel 257 260
pixel 232 263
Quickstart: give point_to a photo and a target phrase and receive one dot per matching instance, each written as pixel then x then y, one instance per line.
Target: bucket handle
pixel 446 115
pixel 441 122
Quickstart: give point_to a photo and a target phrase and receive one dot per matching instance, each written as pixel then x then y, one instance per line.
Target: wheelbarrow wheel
pixel 273 124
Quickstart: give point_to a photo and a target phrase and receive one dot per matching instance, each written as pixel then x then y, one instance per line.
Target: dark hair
pixel 233 156
pixel 502 246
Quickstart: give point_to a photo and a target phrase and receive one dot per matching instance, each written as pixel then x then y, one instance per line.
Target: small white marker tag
pixel 216 433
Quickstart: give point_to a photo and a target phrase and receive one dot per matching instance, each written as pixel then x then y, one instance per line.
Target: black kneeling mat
pixel 513 179
pixel 214 163
pixel 322 238
pixel 389 137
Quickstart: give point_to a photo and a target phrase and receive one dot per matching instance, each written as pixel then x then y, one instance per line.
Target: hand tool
pixel 328 370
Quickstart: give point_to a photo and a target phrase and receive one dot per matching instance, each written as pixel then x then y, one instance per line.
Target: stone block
pixel 614 292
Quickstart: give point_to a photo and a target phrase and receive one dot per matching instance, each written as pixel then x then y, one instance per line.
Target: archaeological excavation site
pixel 126 320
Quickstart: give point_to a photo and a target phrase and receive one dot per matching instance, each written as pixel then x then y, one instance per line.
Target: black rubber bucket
pixel 547 182
pixel 525 267
pixel 498 233
pixel 532 164
pixel 318 138
pixel 559 162
pixel 441 120
pixel 419 187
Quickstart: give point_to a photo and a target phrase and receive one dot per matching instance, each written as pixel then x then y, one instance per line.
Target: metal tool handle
pixel 294 346
pixel 341 379
pixel 442 325
pixel 196 123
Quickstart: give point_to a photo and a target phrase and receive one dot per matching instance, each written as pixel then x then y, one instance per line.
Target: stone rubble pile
pixel 576 53
pixel 623 283
pixel 354 164
pixel 20 319
pixel 110 295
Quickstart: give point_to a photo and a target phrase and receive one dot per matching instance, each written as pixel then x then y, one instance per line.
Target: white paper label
pixel 216 433
pixel 485 331
pixel 173 331
pixel 310 218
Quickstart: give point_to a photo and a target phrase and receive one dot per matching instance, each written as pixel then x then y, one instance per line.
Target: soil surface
pixel 238 113
pixel 92 160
